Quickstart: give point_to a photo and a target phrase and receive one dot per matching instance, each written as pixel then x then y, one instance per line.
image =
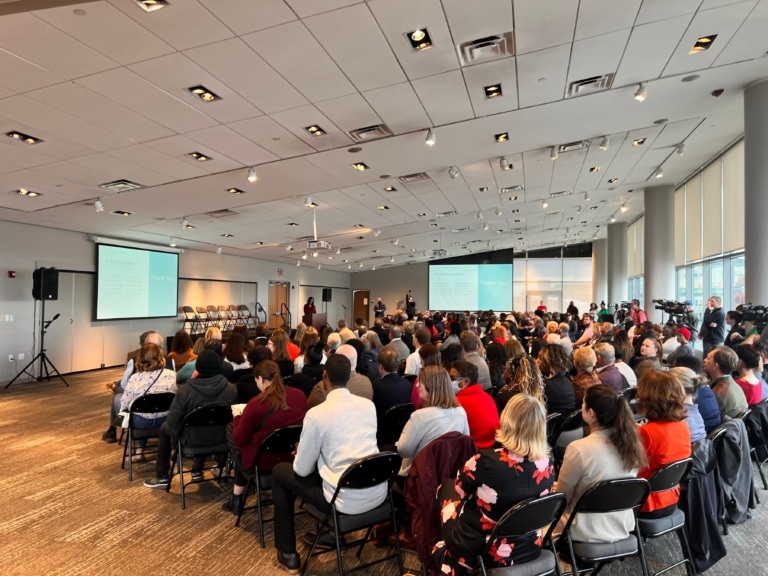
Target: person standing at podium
pixel 309 307
pixel 410 305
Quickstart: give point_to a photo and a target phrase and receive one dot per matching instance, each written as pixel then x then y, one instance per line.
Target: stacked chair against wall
pixel 192 321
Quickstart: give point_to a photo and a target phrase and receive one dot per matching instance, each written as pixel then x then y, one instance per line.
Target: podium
pixel 319 321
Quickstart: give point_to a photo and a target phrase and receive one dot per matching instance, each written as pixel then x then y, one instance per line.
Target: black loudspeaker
pixel 45 284
pixel 327 294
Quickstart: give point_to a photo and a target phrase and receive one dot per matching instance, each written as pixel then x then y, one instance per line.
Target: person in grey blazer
pixel 469 350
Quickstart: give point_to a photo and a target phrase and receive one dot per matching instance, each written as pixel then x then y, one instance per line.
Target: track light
pixel 289 248
pixel 373 268
pixel 391 259
pixel 586 197
pixel 338 250
pixel 604 143
pixel 553 154
pixel 349 266
pixel 498 212
pixel 624 208
pixel 396 241
pixel 98 205
pixel 314 254
pixel 680 150
pixel 304 256
pixel 453 172
pixel 479 214
pixel 659 173
pixel 430 139
pixel 319 266
pixel 613 219
pixel 360 265
pixel 308 202
pixel 184 223
pixel 298 262
pixel 172 243
pixel 486 226
pixel 376 233
pixel 218 249
pixel 641 92
pixel 504 163
pixel 544 204
pixel 252 176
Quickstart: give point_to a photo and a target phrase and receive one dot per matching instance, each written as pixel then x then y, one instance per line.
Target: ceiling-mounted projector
pixel 318 245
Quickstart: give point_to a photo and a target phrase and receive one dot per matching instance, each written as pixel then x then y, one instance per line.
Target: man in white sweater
pixel 326 448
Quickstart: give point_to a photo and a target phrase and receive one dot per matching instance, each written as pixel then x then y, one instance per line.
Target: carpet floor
pixel 67 508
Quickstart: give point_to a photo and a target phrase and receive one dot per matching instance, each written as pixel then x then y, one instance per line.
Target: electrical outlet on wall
pixel 21 356
pixel 10 357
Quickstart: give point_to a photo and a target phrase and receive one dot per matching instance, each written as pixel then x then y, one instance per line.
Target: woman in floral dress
pixel 489 484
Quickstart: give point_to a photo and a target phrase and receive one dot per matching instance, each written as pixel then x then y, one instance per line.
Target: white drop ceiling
pixel 104 85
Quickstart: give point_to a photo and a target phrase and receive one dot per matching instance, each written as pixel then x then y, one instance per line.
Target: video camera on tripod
pixel 757 314
pixel 680 313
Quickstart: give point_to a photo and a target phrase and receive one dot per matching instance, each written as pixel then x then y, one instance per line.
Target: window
pixel 682 288
pixel 737 276
pixel 697 286
pixel 716 283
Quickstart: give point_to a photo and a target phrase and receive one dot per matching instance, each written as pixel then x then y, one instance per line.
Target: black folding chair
pixel 147 404
pixel 365 473
pixel 667 478
pixel 758 450
pixel 524 518
pixel 246 317
pixel 410 377
pixel 391 425
pixel 553 425
pixel 608 496
pixel 716 437
pixel 209 418
pixel 570 430
pixel 280 441
pixel 202 317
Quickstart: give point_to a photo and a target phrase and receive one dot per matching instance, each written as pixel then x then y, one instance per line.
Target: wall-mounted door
pixel 279 297
pixel 361 306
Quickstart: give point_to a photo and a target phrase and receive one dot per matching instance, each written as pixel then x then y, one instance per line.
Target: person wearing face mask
pixel 482 416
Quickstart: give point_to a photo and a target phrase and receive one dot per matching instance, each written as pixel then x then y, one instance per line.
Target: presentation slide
pixel 135 283
pixel 470 287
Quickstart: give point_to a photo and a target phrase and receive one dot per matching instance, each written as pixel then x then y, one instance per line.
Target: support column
pixel 599 270
pixel 659 246
pixel 755 193
pixel 617 263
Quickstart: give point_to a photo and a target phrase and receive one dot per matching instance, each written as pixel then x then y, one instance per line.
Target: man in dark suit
pixel 410 305
pixel 391 389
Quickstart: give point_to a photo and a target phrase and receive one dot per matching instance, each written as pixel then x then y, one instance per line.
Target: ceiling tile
pixel 179 146
pixel 20 156
pixel 309 7
pixel 399 107
pixel 497 72
pixel 468 23
pixel 128 170
pixel 750 41
pixel 597 56
pixel 598 17
pixel 541 75
pixel 299 118
pixel 361 52
pixel 21 75
pixel 306 65
pixel 108 31
pixel 444 97
pixel 349 112
pixel 261 86
pixel 243 16
pixel 76 173
pixel 271 136
pixel 539 26
pixel 231 144
pixel 196 27
pixel 134 92
pixel 147 157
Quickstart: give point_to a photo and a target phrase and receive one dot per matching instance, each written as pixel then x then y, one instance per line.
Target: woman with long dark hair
pixel 522 376
pixel 275 407
pixel 235 352
pixel 612 450
pixel 554 366
pixel 309 307
pixel 278 343
pixel 181 349
pixel 496 357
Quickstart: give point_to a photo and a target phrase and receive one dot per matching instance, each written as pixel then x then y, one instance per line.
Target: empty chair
pixel 245 316
pixel 203 318
pixel 214 317
pixel 391 425
pixel 571 429
pixel 192 320
pixel 226 320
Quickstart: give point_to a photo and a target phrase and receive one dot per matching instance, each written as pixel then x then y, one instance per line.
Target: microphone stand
pixel 45 362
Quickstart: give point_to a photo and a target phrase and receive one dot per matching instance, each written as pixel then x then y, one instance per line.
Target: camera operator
pixel 637 314
pixel 712 331
pixel 736 333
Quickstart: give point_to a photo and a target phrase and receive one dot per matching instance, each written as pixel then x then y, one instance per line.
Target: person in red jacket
pixel 482 416
pixel 275 407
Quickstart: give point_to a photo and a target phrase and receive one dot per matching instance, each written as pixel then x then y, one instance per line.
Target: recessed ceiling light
pixel 354 149
pixel 703 43
pixel 383 207
pixel 492 91
pixel 20 136
pixel 595 169
pixel 122 213
pixel 515 211
pixel 390 189
pixel 360 166
pixel 499 231
pixel 433 225
pixel 227 235
pixel 594 207
pixel 360 237
pixel 691 78
pixel 544 203
pixel 292 224
pixel 583 221
pixel 330 257
pixel 501 137
pixel 419 39
pixel 188 227
pixel 203 93
pixel 516 220
pixel 570 218
pixel 612 180
pixel 359 226
pixel 151 5
pixel 199 156
pixel 27 193
pixel 638 142
pixel 314 130
pixel 235 191
pixel 483 189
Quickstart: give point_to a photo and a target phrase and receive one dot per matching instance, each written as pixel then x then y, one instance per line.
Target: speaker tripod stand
pixel 45 362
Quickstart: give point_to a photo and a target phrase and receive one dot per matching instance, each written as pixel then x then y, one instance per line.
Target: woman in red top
pixel 749 362
pixel 666 437
pixel 275 407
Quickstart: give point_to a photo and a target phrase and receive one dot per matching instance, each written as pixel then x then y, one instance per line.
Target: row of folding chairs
pixel 198 319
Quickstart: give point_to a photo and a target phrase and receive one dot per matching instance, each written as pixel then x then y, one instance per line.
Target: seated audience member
pixel 606 369
pixel 199 346
pixel 558 390
pixel 151 377
pixel 311 372
pixel 407 336
pixel 181 349
pixel 665 436
pixel 275 407
pixel 260 335
pixel 690 383
pixel 373 340
pixel 761 347
pixel 482 416
pixel 522 376
pixel 719 364
pixel 396 342
pixel 749 361
pixel 391 389
pixel 413 362
pixel 553 333
pixel 584 361
pixel 332 342
pixel 242 329
pixel 308 340
pixel 451 336
pixel 301 329
pixel 669 342
pixel 246 383
pixel 291 347
pixel 513 347
pixel 213 333
pixel 649 357
pixel 428 356
pixel 469 349
pixel 736 334
pixel 704 399
pixel 325 450
pixel 611 450
pixel 496 357
pixel 565 338
pixel 490 483
pixel 235 352
pixel 344 332
pixel 684 347
pixel 449 355
pixel 209 388
pixel 358 384
pixel 439 414
pixel 623 368
pixel 278 343
pixel 587 333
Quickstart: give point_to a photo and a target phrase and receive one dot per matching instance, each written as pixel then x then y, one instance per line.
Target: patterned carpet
pixel 66 507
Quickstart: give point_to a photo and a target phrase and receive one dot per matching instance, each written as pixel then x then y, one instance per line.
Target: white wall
pixel 391 285
pixel 25 248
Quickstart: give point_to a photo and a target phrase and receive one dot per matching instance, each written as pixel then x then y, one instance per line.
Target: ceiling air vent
pixel 445 214
pixel 120 186
pixel 440 252
pixel 457 230
pixel 370 133
pixel 559 213
pixel 486 49
pixel 409 178
pixel 519 230
pixel 222 213
pixel 507 190
pixel 561 193
pixel 589 85
pixel 572 146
